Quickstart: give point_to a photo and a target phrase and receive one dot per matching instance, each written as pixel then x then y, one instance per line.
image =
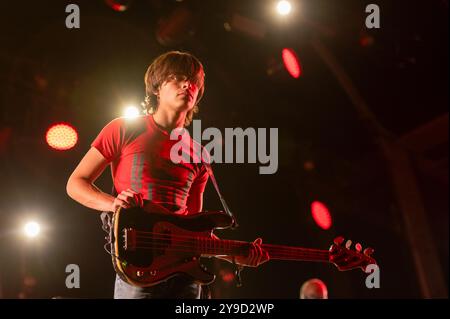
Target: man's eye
pixel 173 78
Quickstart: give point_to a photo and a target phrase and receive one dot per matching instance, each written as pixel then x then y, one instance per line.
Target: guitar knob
pixel 348 244
pixel 368 251
pixel 339 240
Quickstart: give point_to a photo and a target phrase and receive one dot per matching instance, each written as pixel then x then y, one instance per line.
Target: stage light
pixel 291 62
pixel 366 40
pixel 61 137
pixel 118 5
pixel 31 229
pixel 177 27
pixel 227 276
pixel 321 215
pixel 309 166
pixel 131 111
pixel 284 7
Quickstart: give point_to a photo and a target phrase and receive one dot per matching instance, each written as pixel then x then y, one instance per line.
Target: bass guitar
pixel 150 244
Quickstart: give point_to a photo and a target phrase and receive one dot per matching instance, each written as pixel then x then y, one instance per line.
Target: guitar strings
pixel 187 246
pixel 275 256
pixel 209 244
pixel 227 249
pixel 315 257
pixel 226 244
pixel 232 242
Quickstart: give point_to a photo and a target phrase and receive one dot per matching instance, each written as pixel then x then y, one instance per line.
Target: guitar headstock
pixel 345 258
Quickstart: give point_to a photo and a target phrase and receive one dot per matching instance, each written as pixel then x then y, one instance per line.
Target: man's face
pixel 178 93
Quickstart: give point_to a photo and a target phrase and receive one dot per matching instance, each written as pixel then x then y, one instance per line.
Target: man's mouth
pixel 186 94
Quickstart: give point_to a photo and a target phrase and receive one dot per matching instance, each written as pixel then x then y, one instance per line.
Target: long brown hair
pixel 173 62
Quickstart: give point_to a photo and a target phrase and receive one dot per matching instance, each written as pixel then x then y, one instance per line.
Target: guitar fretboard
pixel 209 246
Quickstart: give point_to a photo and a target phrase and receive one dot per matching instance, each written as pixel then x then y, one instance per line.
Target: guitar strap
pixel 222 199
pixel 234 224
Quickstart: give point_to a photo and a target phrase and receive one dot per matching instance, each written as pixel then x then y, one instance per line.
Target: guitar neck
pixel 296 253
pixel 221 247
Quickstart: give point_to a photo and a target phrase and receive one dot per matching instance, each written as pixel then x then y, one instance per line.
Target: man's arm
pixel 194 201
pixel 81 188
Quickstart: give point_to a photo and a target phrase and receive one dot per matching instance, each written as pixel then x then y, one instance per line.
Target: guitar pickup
pixel 129 239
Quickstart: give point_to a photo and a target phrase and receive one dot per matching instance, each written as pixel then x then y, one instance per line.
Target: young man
pixel 138 151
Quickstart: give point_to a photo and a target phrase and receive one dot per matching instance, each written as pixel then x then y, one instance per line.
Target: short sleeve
pixel 199 183
pixel 110 139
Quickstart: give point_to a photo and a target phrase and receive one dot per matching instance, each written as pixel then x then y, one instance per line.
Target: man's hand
pixel 127 199
pixel 256 257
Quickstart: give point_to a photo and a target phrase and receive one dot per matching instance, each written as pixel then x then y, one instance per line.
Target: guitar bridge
pixel 129 239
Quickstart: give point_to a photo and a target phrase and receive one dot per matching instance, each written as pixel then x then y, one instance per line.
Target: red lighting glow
pixel 227 276
pixel 291 62
pixel 61 137
pixel 118 5
pixel 321 215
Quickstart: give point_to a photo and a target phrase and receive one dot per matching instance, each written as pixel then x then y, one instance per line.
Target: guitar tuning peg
pixel 332 248
pixel 368 251
pixel 358 247
pixel 348 244
pixel 339 240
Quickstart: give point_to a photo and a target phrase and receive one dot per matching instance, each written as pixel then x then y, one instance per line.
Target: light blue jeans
pixel 177 287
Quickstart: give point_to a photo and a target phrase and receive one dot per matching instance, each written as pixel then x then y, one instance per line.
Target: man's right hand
pixel 127 199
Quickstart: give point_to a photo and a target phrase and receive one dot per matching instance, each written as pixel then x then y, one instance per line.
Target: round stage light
pixel 284 7
pixel 61 137
pixel 291 62
pixel 131 112
pixel 31 229
pixel 321 215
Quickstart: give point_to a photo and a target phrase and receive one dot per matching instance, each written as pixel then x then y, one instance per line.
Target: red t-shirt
pixel 139 153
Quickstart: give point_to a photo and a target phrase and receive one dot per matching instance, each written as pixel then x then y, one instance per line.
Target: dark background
pixel 85 76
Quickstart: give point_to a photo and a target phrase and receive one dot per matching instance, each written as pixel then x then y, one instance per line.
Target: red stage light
pixel 227 276
pixel 321 215
pixel 366 41
pixel 118 5
pixel 61 137
pixel 291 62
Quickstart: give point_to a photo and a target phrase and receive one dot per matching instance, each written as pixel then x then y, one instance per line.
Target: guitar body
pixel 151 245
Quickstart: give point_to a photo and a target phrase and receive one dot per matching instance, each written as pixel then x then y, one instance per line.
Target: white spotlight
pixel 31 229
pixel 131 112
pixel 284 7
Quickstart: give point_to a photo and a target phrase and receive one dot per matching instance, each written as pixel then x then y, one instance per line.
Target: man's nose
pixel 186 84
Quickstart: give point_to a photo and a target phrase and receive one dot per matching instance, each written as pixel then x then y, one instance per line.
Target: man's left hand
pixel 256 256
